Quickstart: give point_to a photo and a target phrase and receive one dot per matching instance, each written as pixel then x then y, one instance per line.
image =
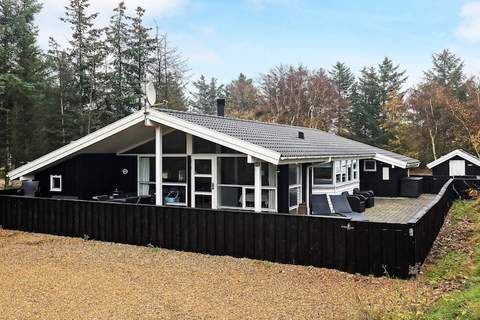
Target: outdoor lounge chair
pixel 319 205
pixel 356 201
pixel 368 194
pixel 341 206
pixel 29 188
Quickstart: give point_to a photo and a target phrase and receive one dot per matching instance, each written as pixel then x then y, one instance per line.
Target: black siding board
pixel 280 239
pixel 373 180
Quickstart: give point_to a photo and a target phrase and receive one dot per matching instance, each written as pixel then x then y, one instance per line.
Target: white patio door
pixel 204 182
pixel 457 167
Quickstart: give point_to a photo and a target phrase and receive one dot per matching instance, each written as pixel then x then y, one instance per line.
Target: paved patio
pixel 397 210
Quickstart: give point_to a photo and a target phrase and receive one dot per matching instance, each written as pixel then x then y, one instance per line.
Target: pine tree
pixel 343 78
pixel 140 49
pixel 206 95
pixel 168 69
pixel 82 25
pixel 120 98
pixel 21 81
pixel 447 71
pixel 366 114
pixel 391 80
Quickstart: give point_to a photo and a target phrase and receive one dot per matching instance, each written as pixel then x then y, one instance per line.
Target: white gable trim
pixel 460 153
pixel 391 161
pixel 214 136
pixel 77 145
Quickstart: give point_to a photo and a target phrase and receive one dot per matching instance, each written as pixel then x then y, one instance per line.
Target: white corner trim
pixel 454 153
pixel 215 136
pixel 77 145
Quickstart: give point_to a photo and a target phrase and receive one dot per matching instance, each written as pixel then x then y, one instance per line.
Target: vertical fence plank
pixel 340 244
pixel 229 233
pixel 153 232
pixel 202 231
pixel 291 255
pixel 258 238
pixel 269 236
pixel 249 235
pixel 304 240
pixel 211 232
pixel 185 228
pixel 193 231
pixel 238 231
pixel 220 233
pixel 316 242
pixel 280 239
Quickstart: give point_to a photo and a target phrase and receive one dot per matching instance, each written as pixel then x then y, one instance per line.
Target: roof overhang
pixel 88 143
pixel 454 153
pixel 395 162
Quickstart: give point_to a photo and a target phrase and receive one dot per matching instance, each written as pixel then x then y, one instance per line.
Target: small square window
pixel 369 165
pixel 56 183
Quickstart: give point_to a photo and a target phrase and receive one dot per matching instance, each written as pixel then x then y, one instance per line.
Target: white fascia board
pixel 308 159
pixel 77 145
pixel 215 136
pixel 390 160
pixel 454 153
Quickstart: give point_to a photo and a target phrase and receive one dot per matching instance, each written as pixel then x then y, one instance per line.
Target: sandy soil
pixel 49 277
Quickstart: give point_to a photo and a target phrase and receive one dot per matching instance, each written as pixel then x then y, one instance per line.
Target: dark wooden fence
pixel 331 242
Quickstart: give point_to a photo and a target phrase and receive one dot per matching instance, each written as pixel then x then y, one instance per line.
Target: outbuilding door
pixel 457 167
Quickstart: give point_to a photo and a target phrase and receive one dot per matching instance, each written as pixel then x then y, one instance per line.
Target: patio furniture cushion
pixel 340 204
pixel 368 194
pixel 29 188
pixel 357 201
pixel 319 205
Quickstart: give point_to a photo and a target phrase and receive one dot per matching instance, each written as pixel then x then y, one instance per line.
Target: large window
pixel 146 176
pixel 323 174
pixel 295 185
pixel 174 178
pixel 236 171
pixel 335 173
pixel 236 184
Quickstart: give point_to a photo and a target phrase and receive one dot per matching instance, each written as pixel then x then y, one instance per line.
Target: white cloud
pixel 50 25
pixel 469 28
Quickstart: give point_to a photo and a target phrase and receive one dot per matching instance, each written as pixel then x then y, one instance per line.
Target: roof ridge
pixel 279 125
pixel 240 119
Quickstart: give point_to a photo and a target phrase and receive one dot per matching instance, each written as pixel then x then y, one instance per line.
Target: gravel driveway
pixel 49 277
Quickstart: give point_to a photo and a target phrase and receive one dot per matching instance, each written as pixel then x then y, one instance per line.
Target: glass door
pixel 204 182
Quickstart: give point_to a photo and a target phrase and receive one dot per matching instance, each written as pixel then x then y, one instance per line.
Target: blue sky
pixel 223 38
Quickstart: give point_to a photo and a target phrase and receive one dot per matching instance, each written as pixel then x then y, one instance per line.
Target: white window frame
pixel 365 165
pixel 178 184
pixel 52 185
pixel 315 185
pixel 298 186
pixel 245 187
